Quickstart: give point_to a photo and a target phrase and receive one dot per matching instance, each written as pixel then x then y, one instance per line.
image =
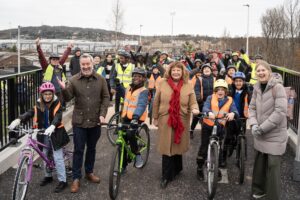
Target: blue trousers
pixel 84 137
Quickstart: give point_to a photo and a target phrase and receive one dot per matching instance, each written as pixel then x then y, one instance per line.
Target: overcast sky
pixel 192 16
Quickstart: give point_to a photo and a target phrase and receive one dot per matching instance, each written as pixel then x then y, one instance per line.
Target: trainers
pixel 138 161
pixel 60 187
pixel 46 180
pixel 200 174
pixel 258 196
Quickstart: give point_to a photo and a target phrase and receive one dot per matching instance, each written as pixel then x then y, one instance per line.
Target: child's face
pixel 230 72
pixel 207 71
pixel 47 96
pixel 220 92
pixel 155 71
pixel 238 83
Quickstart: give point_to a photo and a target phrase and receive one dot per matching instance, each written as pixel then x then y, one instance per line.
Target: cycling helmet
pixel 258 56
pixel 197 60
pixel 47 86
pixel 54 55
pixel 140 71
pixel 124 54
pixel 235 54
pixel 206 65
pixel 240 75
pixel 231 66
pixel 220 83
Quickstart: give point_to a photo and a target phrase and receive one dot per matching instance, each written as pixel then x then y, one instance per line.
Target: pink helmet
pixel 47 86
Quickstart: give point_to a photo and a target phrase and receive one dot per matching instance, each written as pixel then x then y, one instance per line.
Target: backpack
pixel 290 94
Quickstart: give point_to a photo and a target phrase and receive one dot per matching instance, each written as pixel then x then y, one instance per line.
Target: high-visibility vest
pixel 253 79
pixel 217 111
pixel 101 71
pixel 228 80
pixel 130 103
pixel 245 57
pixel 194 79
pixel 35 116
pixel 152 83
pixel 246 106
pixel 125 77
pixel 49 73
pixel 237 65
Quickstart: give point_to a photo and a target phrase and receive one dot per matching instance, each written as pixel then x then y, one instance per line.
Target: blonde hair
pixel 180 65
pixel 264 64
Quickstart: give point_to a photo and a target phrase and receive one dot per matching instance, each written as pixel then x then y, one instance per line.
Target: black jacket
pixel 74 65
pixel 245 91
pixel 60 137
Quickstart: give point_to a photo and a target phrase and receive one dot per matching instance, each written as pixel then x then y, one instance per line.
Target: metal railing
pixel 291 79
pixel 18 94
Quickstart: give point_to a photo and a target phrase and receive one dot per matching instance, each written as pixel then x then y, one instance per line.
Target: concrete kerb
pixel 9 156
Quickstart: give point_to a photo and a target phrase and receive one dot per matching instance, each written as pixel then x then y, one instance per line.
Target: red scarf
pixel 174 120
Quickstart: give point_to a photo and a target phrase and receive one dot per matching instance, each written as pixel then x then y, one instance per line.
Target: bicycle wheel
pixel 143 141
pixel 241 160
pixel 212 169
pixel 21 184
pixel 115 173
pixel 112 133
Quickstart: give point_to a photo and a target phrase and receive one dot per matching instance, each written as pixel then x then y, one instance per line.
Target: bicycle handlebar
pixel 28 130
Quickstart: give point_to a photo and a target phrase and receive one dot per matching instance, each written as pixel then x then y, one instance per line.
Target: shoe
pixel 75 186
pixel 191 134
pixel 200 174
pixel 46 181
pixel 164 183
pixel 91 177
pixel 258 196
pixel 60 187
pixel 139 163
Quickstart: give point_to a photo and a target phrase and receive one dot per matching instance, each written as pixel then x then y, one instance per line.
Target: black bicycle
pixel 241 150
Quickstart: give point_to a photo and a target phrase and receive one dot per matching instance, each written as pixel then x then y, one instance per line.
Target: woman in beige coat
pixel 267 118
pixel 173 104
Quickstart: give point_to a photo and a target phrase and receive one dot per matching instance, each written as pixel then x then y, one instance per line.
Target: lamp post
pixel 247 43
pixel 172 26
pixel 141 34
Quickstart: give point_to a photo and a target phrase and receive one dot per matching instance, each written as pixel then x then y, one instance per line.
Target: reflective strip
pixel 35 119
pixel 246 107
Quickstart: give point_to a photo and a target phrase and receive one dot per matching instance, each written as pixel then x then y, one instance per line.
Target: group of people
pixel 227 85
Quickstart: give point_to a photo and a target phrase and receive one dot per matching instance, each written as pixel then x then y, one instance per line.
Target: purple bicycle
pixel 26 160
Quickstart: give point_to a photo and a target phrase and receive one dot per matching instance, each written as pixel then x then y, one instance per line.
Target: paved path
pixel 144 184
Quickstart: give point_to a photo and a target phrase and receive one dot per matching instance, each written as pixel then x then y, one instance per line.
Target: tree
pixel 117 19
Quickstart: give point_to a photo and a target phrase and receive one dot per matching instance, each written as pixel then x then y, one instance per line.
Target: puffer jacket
pixel 268 110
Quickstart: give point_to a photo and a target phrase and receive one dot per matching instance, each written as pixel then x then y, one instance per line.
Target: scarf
pixel 174 120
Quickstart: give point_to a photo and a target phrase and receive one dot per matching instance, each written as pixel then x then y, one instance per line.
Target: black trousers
pixel 171 166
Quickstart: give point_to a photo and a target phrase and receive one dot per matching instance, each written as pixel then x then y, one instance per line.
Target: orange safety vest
pixel 217 111
pixel 228 80
pixel 246 107
pixel 130 103
pixel 152 83
pixel 35 117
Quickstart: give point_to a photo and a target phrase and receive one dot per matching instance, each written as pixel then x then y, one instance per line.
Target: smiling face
pixel 176 73
pixel 238 82
pixel 54 61
pixel 263 74
pixel 137 79
pixel 109 58
pixel 230 72
pixel 207 71
pixel 47 96
pixel 220 92
pixel 86 66
pixel 97 60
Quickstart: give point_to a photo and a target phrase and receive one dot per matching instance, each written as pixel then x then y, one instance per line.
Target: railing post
pixel 296 169
pixel 11 92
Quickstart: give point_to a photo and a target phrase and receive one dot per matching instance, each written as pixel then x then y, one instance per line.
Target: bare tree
pixel 225 38
pixel 117 20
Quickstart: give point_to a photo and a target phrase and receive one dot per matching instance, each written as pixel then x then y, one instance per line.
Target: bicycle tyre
pixel 212 170
pixel 144 142
pixel 112 134
pixel 115 173
pixel 241 161
pixel 21 177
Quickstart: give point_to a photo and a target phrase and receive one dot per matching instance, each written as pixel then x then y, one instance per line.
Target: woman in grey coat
pixel 267 118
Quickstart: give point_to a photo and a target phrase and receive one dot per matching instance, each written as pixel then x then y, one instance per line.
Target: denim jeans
pixel 84 137
pixel 58 159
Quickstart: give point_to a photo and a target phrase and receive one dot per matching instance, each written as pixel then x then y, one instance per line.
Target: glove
pixel 49 130
pixel 222 71
pixel 256 130
pixel 134 124
pixel 14 124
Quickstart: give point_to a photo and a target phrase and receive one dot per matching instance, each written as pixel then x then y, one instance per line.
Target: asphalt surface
pixel 144 183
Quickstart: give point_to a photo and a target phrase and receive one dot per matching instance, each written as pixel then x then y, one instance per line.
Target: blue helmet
pixel 240 75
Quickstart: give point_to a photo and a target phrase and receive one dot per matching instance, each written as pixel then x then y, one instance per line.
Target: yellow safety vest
pixel 49 73
pixel 237 65
pixel 253 79
pixel 125 77
pixel 246 58
pixel 100 71
pixel 130 103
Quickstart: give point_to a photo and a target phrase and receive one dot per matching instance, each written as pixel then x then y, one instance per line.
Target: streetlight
pixel 172 25
pixel 247 44
pixel 141 34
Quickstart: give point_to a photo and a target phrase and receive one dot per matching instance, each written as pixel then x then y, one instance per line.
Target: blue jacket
pixel 207 105
pixel 142 105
